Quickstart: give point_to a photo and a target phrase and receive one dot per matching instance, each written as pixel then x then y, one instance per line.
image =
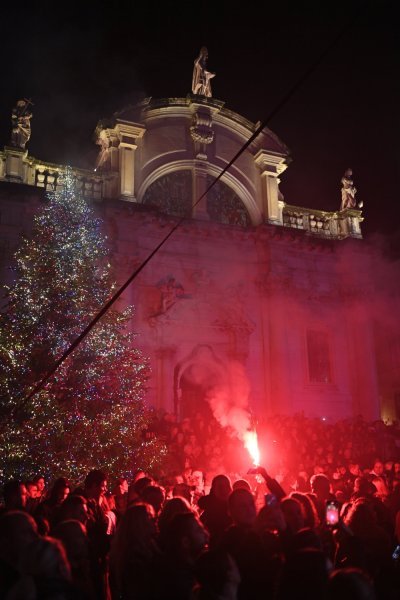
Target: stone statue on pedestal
pixel 21 124
pixel 348 191
pixel 201 82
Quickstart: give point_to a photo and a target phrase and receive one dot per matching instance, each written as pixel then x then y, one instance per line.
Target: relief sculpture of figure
pixel 21 124
pixel 201 82
pixel 348 191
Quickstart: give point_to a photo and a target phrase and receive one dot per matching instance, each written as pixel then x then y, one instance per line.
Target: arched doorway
pixel 193 395
pixel 194 378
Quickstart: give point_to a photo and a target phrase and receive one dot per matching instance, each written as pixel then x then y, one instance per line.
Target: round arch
pixel 193 377
pixel 227 178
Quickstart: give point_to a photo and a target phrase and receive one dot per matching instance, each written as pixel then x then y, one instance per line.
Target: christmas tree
pixel 91 412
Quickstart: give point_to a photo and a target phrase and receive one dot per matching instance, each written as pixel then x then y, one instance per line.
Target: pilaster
pixel 128 134
pixel 271 167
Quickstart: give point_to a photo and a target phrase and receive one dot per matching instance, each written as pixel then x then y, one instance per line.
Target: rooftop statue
pixel 348 191
pixel 201 82
pixel 21 123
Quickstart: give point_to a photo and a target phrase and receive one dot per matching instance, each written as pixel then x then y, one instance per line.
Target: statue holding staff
pixel 21 123
pixel 348 191
pixel 201 81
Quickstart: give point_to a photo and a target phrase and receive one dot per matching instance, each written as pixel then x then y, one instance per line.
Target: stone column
pixel 199 187
pixel 271 167
pixel 128 135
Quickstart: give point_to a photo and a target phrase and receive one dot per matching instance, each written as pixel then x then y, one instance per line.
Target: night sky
pixel 82 63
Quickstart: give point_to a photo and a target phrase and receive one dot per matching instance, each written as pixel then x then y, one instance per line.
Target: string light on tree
pixel 91 413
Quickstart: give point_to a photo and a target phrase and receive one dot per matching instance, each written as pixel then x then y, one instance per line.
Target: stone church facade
pixel 286 308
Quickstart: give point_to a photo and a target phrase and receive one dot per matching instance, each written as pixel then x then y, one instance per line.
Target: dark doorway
pixel 193 400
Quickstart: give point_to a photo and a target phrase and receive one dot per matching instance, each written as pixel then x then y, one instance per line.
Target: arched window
pixel 171 194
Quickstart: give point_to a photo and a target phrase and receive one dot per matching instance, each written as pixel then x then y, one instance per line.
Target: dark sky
pixel 82 63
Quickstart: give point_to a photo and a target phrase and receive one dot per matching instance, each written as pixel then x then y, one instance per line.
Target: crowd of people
pixel 322 523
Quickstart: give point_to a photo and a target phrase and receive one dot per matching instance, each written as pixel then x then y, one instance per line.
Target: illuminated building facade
pixel 286 303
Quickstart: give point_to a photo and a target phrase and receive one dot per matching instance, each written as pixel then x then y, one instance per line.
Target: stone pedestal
pixel 15 167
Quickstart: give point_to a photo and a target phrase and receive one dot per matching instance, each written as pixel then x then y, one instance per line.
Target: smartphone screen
pixel 332 513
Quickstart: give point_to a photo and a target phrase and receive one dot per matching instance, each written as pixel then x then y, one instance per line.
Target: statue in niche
pixel 348 191
pixel 21 123
pixel 201 82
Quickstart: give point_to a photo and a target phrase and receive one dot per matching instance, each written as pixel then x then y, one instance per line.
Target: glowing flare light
pixel 251 444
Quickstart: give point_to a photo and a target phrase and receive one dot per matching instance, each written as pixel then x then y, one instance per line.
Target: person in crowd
pixel 215 515
pixel 15 496
pixel 133 553
pixel 217 576
pixel 49 509
pixel 120 495
pixel 72 533
pixel 171 507
pixel 17 530
pixel 74 507
pixel 40 482
pixel 45 573
pixel 98 530
pixel 155 496
pixel 244 543
pixel 350 584
pixel 185 539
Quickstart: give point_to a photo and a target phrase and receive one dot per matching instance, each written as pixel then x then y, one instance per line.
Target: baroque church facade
pixel 286 309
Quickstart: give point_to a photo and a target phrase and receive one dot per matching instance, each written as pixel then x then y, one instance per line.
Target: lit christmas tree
pixel 91 413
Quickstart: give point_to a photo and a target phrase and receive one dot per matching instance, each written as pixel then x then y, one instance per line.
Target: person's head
pixel 96 484
pixel 15 495
pixel 72 534
pixel 183 490
pixel 364 487
pixel 378 468
pixel 354 468
pixel 304 575
pixel 197 479
pixel 45 558
pixel 221 487
pixel 136 488
pixel 217 574
pixel 350 584
pixel 241 484
pixel 320 486
pixel 185 537
pixel 40 482
pixel 348 173
pixel 17 530
pixel 360 517
pixel 121 486
pixel 242 507
pixel 294 514
pixel 75 508
pixel 32 489
pixel 59 491
pixel 311 518
pixel 155 496
pixel 172 507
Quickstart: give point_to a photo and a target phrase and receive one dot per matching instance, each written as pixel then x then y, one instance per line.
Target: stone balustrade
pixel 16 166
pixel 335 225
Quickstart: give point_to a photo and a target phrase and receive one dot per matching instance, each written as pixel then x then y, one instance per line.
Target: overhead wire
pixel 285 99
